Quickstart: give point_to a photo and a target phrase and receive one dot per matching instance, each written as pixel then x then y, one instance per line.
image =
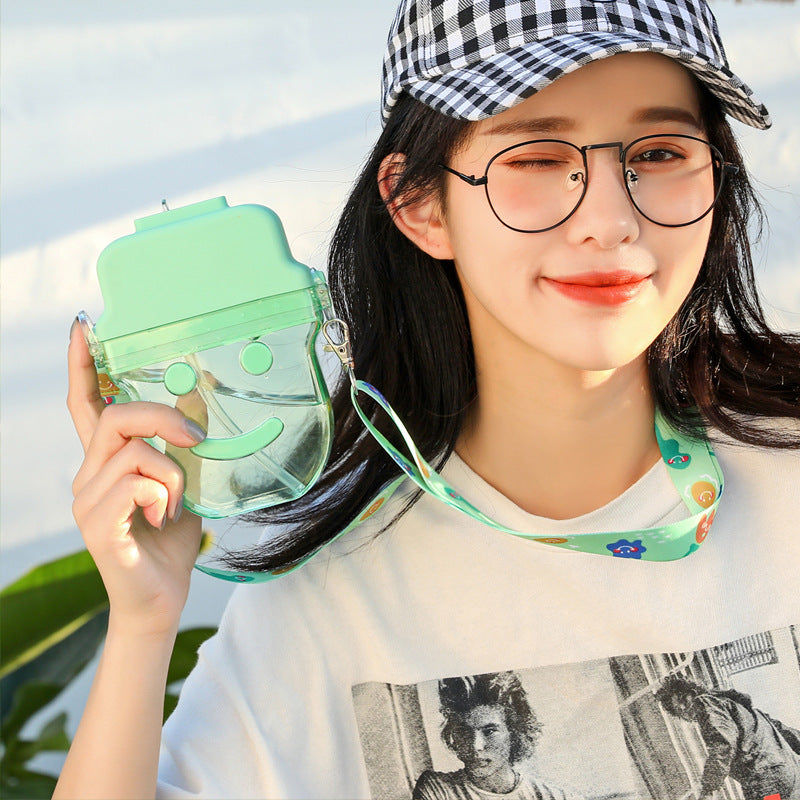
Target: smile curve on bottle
pixel 240 446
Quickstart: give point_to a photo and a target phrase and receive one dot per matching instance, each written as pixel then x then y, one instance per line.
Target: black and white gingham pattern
pixel 472 59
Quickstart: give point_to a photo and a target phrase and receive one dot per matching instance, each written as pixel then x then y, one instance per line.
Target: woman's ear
pixel 421 221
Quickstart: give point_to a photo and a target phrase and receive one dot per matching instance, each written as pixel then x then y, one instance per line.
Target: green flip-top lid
pixel 200 276
pixel 192 261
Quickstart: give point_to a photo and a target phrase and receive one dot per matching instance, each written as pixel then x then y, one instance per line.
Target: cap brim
pixel 504 79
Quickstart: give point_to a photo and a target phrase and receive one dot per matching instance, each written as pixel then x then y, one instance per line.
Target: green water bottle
pixel 207 311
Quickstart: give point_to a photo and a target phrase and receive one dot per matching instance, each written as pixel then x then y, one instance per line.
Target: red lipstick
pixel 600 288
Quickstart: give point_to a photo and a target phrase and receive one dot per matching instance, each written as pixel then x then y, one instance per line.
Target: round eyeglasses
pixel 672 180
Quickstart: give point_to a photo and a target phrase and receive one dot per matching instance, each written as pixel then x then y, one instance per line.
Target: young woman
pixel 545 254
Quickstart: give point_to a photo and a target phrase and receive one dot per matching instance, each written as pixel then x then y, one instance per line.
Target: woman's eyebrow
pixel 540 125
pixel 667 114
pixel 550 125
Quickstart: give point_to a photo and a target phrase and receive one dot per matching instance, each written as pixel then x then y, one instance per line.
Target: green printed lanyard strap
pixel 692 466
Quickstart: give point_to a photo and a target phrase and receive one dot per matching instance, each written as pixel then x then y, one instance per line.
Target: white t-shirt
pixel 324 683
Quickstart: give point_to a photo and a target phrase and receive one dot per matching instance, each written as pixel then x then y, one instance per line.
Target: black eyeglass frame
pixel 723 167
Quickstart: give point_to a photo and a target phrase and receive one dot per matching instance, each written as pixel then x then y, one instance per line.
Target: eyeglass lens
pixel 672 180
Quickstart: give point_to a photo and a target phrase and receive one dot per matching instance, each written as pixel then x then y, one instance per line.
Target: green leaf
pixel 170 702
pixel 52 621
pixel 184 654
pixel 58 665
pixel 52 737
pixel 184 657
pixel 45 606
pixel 26 785
pixel 27 700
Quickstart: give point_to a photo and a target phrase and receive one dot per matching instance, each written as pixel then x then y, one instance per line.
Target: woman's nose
pixel 606 215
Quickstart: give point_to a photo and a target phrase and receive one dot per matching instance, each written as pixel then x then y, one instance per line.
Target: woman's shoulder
pixel 759 480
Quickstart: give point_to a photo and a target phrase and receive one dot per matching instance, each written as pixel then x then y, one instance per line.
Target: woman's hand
pixel 128 500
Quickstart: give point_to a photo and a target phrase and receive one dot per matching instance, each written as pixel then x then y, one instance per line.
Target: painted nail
pixel 194 430
pixel 72 327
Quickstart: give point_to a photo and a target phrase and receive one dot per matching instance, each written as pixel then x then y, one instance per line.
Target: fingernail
pixel 72 327
pixel 178 509
pixel 194 430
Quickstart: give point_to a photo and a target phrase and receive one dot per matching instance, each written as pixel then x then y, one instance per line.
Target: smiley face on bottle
pixel 255 359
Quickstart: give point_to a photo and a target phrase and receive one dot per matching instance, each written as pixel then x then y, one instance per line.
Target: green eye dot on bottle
pixel 180 378
pixel 255 358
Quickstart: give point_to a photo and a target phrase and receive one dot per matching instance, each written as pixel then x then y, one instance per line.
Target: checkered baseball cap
pixel 472 59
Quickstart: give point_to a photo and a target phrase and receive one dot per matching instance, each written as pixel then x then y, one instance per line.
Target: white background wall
pixel 109 107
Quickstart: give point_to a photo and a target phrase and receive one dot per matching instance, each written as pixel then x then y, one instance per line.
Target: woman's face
pixel 544 291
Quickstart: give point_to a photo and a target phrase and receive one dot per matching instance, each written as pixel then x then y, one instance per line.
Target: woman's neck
pixel 556 441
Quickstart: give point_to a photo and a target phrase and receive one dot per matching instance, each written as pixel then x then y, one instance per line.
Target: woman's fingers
pixel 138 458
pixel 83 399
pixel 115 456
pixel 119 424
pixel 116 508
pixel 124 488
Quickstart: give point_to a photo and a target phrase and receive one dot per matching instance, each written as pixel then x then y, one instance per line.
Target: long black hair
pixel 717 363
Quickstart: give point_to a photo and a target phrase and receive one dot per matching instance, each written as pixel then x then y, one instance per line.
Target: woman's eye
pixel 656 155
pixel 536 163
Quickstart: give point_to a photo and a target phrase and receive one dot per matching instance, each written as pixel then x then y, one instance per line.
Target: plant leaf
pixel 184 654
pixel 27 700
pixel 45 606
pixel 52 737
pixel 26 785
pixel 170 702
pixel 184 657
pixel 59 664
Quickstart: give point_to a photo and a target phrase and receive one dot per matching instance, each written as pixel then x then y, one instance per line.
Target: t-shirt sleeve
pixel 267 711
pixel 210 743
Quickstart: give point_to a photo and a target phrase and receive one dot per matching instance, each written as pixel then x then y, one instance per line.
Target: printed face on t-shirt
pixel 482 741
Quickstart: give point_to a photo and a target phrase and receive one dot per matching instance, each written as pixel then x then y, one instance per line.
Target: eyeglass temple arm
pixel 470 179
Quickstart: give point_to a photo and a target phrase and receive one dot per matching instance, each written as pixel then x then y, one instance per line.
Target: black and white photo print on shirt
pixel 723 722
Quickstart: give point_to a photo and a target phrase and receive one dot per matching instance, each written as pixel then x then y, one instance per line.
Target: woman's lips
pixel 600 288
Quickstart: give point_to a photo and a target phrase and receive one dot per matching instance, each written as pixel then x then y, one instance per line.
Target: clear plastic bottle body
pixel 265 407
